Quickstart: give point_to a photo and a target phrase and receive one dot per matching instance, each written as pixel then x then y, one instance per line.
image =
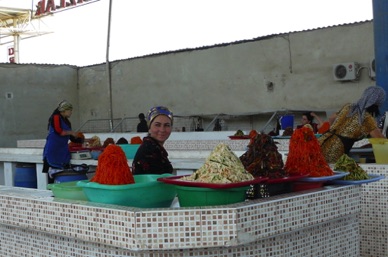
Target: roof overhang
pixel 17 22
pixel 12 17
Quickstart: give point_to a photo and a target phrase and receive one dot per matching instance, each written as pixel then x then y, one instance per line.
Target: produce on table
pixel 78 135
pixel 112 167
pixel 262 158
pixel 90 142
pixel 239 133
pixel 136 140
pixel 73 144
pixel 108 141
pixel 94 141
pixel 308 126
pixel 222 166
pixel 288 132
pixel 305 156
pixel 345 163
pixel 252 135
pixel 121 141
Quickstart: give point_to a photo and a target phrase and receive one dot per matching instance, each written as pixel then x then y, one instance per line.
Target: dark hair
pixel 308 116
pixel 141 116
pixel 57 112
pixel 373 110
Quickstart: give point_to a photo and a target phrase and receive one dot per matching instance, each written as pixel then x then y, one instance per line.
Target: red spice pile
pixel 113 168
pixel 305 156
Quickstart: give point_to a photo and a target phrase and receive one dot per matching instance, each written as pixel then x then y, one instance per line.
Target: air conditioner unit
pixel 372 69
pixel 346 71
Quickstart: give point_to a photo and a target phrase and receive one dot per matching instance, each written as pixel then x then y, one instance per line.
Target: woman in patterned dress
pixel 353 122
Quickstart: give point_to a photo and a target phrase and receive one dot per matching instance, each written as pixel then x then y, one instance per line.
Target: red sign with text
pixel 49 6
pixel 11 54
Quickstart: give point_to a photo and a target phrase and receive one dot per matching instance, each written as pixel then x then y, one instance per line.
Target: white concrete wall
pixel 232 78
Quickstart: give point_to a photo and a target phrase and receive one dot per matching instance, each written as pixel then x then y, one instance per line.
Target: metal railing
pixel 192 123
pixel 129 124
pixel 99 125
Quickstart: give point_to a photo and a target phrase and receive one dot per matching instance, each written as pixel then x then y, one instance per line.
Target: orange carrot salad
pixel 305 156
pixel 113 168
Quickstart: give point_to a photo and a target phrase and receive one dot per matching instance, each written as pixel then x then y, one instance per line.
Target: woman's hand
pixel 320 122
pixel 77 134
pixel 71 133
pixel 376 133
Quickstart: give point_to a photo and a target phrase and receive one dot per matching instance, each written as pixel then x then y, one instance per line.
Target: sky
pixel 79 36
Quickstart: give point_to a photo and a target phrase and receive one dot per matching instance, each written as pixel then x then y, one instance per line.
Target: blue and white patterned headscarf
pixel 156 111
pixel 372 95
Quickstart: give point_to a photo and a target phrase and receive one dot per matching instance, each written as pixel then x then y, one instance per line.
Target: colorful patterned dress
pixel 344 132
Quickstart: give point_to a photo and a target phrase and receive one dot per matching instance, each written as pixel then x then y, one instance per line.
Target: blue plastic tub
pixel 69 178
pixel 146 192
pixel 287 121
pixel 25 175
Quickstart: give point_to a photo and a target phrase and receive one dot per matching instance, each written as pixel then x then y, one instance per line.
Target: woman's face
pixel 160 128
pixel 305 120
pixel 67 113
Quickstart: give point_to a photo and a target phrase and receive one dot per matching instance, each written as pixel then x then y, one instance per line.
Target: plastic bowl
pixel 129 150
pixel 146 192
pixel 201 196
pixel 380 149
pixel 67 190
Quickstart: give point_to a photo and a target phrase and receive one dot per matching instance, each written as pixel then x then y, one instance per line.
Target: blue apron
pixel 56 150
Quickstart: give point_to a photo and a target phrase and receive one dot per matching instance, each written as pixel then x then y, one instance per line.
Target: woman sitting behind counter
pixel 152 157
pixel 308 118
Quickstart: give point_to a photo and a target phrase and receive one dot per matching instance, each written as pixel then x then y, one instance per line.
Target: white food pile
pixel 222 166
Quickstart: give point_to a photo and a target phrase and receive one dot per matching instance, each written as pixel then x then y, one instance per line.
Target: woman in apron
pixel 56 152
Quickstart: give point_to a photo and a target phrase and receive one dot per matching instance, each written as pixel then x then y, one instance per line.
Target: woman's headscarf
pixel 64 106
pixel 372 95
pixel 156 111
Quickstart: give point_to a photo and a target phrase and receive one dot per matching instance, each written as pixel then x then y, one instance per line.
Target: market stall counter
pixel 319 222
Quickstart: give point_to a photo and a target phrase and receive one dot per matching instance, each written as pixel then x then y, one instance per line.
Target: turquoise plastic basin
pixel 146 192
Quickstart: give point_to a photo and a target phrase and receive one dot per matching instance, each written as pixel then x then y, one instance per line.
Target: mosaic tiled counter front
pixel 320 222
pixel 341 221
